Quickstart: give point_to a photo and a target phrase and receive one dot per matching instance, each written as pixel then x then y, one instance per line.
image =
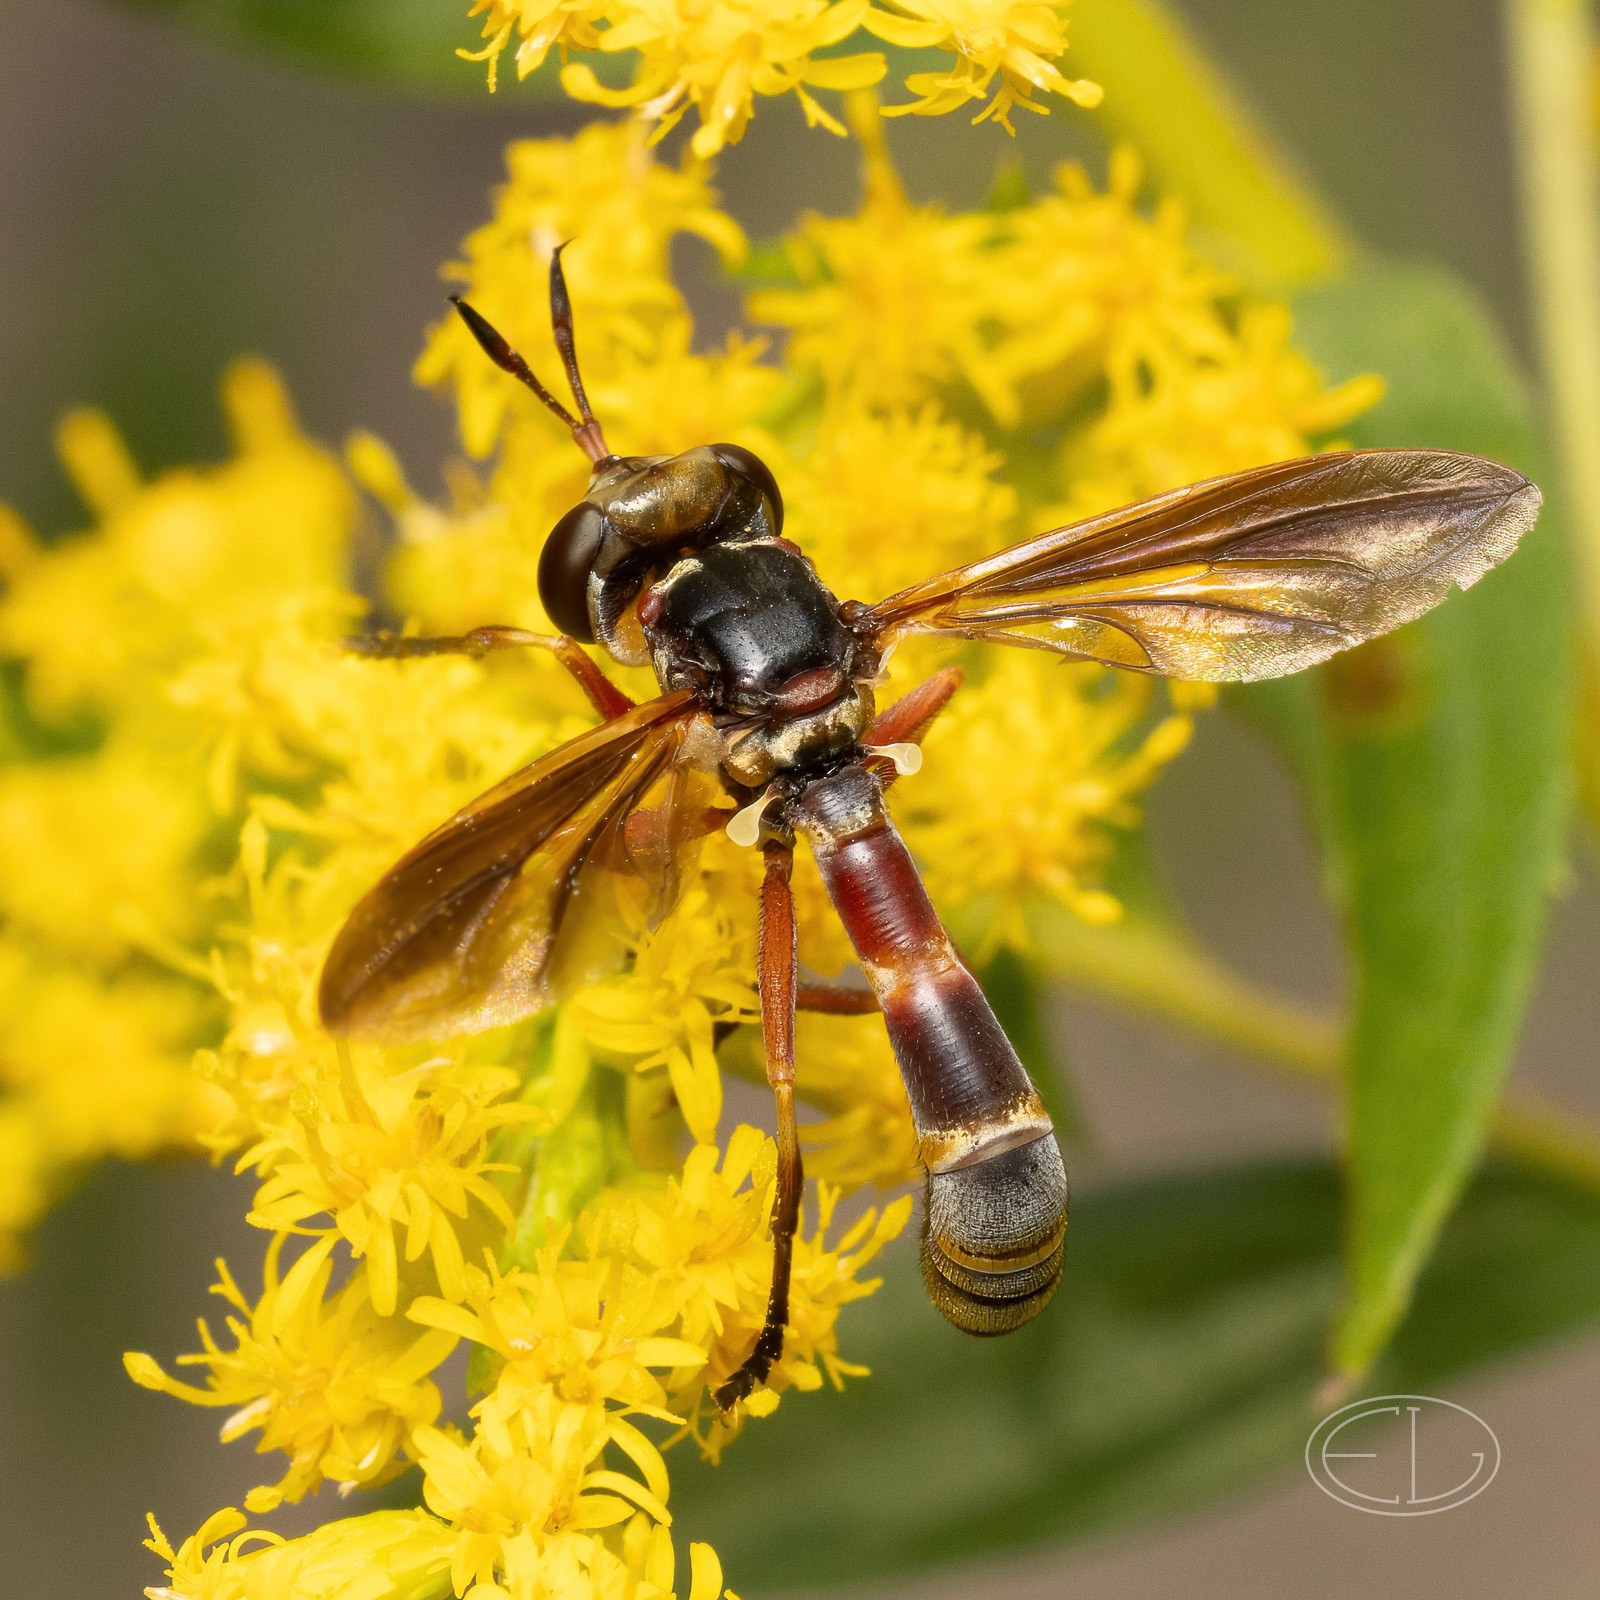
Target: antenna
pixel 585 430
pixel 561 326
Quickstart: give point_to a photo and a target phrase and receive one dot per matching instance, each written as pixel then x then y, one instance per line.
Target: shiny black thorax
pixel 742 622
pixel 753 630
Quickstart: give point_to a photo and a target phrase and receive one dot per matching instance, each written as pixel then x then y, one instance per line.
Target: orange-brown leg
pixel 603 694
pixel 836 999
pixel 908 718
pixel 778 987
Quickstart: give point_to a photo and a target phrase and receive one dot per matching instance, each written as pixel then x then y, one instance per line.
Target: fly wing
pixel 458 936
pixel 1250 576
pixel 662 838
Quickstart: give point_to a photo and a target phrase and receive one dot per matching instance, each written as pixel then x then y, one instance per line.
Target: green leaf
pixel 1435 762
pixel 409 43
pixel 767 265
pixel 1179 1361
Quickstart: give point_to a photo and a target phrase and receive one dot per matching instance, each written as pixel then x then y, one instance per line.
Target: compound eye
pixel 748 463
pixel 564 566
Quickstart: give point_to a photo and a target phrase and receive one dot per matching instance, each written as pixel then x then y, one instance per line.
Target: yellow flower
pixel 335 1387
pixel 574 1332
pixel 173 565
pixel 679 395
pixel 1086 762
pixel 407 1555
pixel 848 1072
pixel 689 976
pixel 101 1064
pixel 891 302
pixel 576 1353
pixel 541 25
pixel 716 56
pixel 1017 40
pixel 101 905
pixel 1098 289
pixel 1029 307
pixel 621 210
pixel 386 1555
pixel 519 1502
pixel 1256 399
pixel 393 1159
pixel 111 837
pixel 882 500
pixel 700 1242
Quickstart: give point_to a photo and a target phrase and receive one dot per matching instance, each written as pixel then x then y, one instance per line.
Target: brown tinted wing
pixel 458 936
pixel 663 837
pixel 1251 576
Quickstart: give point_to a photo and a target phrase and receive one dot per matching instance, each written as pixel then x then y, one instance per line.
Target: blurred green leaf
pixel 767 265
pixel 1435 762
pixel 1179 1360
pixel 410 43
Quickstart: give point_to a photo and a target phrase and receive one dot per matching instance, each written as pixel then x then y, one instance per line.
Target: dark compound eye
pixel 758 472
pixel 564 566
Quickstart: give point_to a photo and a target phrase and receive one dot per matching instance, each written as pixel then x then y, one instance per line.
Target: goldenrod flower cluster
pixel 198 783
pixel 716 56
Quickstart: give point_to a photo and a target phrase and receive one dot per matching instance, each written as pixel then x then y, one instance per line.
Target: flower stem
pixel 1552 44
pixel 1200 141
pixel 1159 971
pixel 1549 1140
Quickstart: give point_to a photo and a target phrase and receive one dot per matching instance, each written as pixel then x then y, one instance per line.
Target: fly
pixel 767 695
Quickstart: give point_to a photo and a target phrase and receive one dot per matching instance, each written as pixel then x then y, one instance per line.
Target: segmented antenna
pixel 585 430
pixel 561 326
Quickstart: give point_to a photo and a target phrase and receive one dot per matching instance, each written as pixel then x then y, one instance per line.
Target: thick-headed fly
pixel 767 687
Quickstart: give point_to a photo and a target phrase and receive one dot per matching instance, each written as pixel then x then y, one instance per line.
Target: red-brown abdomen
pixel 970 1095
pixel 997 1192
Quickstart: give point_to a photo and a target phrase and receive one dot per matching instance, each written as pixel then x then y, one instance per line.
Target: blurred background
pixel 166 204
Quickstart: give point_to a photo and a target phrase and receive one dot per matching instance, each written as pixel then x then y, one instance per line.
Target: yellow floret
pixel 715 57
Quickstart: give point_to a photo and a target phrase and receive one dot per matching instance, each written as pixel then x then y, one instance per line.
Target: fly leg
pixel 907 719
pixel 778 988
pixel 836 999
pixel 602 693
pixel 893 744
